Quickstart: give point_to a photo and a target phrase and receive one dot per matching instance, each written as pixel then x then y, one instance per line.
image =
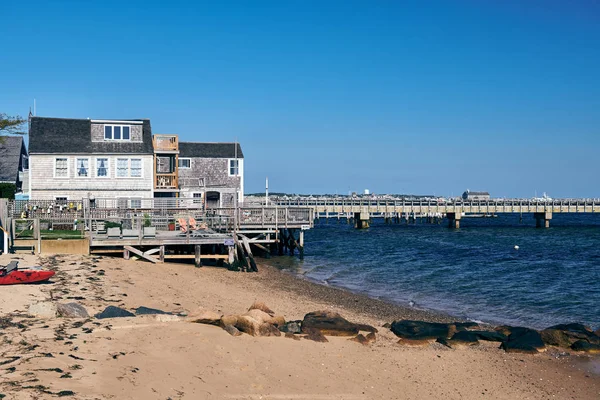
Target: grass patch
pixel 52 234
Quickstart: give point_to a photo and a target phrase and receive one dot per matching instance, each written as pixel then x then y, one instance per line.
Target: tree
pixel 11 125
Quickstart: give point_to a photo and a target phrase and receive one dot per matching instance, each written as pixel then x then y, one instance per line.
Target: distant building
pixel 469 195
pixel 14 166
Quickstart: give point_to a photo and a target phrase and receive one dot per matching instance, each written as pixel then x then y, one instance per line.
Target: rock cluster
pixel 512 339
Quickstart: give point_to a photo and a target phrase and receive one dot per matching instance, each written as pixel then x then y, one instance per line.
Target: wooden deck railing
pixel 165 143
pixel 166 181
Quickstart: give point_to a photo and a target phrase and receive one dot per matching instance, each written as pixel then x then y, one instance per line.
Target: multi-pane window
pixel 102 167
pixel 122 167
pixel 61 168
pixel 83 167
pixel 234 167
pixel 117 132
pixel 136 167
pixel 185 163
pixel 129 167
pixel 197 198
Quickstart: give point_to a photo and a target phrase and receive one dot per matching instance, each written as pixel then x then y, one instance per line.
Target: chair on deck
pixel 183 225
pixel 197 226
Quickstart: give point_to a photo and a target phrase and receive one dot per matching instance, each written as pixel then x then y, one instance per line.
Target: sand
pixel 146 357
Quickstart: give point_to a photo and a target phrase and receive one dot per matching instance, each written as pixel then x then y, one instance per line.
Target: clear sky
pixel 425 97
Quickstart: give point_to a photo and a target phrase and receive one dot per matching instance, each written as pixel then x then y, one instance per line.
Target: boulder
pixel 564 335
pixel 418 330
pixel 43 309
pixel 257 305
pixel 291 327
pixel 371 337
pixel 264 317
pixel 229 320
pixel 329 323
pixel 206 317
pixel 465 338
pixel 248 325
pixel 366 328
pixel 414 342
pixel 315 335
pixel 148 311
pixel 523 340
pixel 490 336
pixel 360 338
pixel 267 329
pixel 232 330
pixel 114 312
pixel 464 326
pixel 71 310
pixel 582 345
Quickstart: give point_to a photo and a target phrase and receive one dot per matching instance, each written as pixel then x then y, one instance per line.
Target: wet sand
pixel 146 357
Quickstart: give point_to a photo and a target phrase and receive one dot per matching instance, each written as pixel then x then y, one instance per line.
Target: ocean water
pixel 474 272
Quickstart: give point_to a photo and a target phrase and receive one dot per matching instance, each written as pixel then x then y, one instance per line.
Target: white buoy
pixel 516 247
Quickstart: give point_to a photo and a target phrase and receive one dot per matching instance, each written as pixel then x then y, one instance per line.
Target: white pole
pixel 267 192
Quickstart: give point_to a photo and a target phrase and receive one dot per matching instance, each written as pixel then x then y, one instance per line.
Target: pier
pixel 362 210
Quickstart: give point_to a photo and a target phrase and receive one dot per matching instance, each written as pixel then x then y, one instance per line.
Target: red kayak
pixel 10 275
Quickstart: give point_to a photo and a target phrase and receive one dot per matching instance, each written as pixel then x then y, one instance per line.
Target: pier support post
pixel 454 220
pixel 301 244
pixel 361 220
pixel 198 253
pixel 543 219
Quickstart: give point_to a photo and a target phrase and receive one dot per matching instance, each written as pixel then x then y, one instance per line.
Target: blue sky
pixel 426 97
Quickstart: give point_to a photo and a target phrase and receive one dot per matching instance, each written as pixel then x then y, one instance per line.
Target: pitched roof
pixel 74 136
pixel 210 150
pixel 10 157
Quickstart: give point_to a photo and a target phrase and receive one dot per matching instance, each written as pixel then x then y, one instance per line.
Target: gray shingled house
pixel 211 173
pixel 14 163
pixel 72 159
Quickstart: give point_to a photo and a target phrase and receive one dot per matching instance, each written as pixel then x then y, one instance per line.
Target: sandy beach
pixel 166 357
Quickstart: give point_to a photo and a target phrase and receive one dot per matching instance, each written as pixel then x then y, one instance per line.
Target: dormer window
pixel 117 132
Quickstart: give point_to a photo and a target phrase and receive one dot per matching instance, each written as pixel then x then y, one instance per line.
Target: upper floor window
pixel 61 167
pixel 83 167
pixel 234 167
pixel 117 132
pixel 185 163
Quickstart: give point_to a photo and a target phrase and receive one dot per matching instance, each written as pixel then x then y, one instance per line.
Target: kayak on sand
pixel 12 275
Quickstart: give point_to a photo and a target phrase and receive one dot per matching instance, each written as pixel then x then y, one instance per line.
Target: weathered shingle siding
pixel 214 172
pixel 44 186
pixel 135 131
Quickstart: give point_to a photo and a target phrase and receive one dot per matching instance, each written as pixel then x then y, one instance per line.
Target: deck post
pixel 125 254
pixel 454 220
pixel 161 255
pixel 361 220
pixel 38 234
pixel 198 253
pixel 542 219
pixel 231 256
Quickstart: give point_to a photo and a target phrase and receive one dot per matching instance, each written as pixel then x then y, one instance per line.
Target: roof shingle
pixel 210 150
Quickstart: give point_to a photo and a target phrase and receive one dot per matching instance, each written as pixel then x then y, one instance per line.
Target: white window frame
pixel 107 167
pixel 229 166
pixel 129 168
pixel 197 199
pixel 68 168
pixel 184 159
pixel 89 167
pixel 112 133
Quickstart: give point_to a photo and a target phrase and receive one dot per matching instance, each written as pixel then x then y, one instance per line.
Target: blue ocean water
pixel 474 272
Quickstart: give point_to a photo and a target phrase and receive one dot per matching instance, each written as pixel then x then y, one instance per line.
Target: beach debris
pixel 291 327
pixel 419 330
pixel 232 330
pixel 523 340
pixel 208 317
pixel 315 335
pixel 71 310
pixel 257 305
pixel 583 345
pixel 565 335
pixel 43 309
pixel 331 323
pixel 114 312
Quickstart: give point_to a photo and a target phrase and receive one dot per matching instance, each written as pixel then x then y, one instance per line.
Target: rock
pixel 261 306
pixel 229 320
pixel 43 309
pixel 360 338
pixel 366 328
pixel 490 336
pixel 564 335
pixel 292 336
pixel 329 323
pixel 417 330
pixel 114 312
pixel 597 332
pixel 504 329
pixel 148 311
pixel 315 335
pixel 387 325
pixel 248 325
pixel 232 330
pixel 277 320
pixel 523 340
pixel 264 317
pixel 291 327
pixel 465 338
pixel 71 310
pixel 267 329
pixel 371 337
pixel 582 345
pixel 463 326
pixel 207 317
